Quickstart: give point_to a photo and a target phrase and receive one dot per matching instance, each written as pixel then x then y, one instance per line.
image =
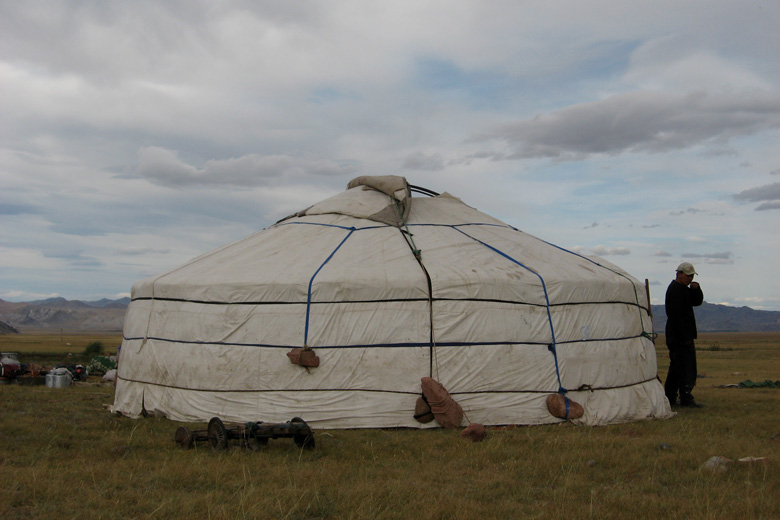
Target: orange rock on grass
pixel 475 432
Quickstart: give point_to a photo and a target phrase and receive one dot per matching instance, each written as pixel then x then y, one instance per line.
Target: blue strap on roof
pixel 311 281
pixel 551 346
pixel 648 334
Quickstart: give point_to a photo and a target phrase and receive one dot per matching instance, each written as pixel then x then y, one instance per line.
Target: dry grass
pixel 63 456
pixel 52 348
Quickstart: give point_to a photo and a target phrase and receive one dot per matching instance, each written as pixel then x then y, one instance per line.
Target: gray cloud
pixel 162 166
pixel 246 111
pixel 769 192
pixel 610 251
pixel 723 257
pixel 81 228
pixel 689 211
pixel 11 208
pixel 141 251
pixel 421 161
pixel 662 253
pixel 75 258
pixel 643 121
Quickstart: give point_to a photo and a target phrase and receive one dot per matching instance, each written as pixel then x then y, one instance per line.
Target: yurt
pixel 338 312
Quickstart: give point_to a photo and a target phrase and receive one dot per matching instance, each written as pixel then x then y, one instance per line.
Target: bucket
pixel 9 369
pixel 58 380
pixel 11 358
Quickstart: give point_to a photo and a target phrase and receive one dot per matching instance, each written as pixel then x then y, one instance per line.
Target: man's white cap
pixel 686 268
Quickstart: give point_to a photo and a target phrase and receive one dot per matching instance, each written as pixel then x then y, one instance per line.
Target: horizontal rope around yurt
pixel 157 278
pixel 383 344
pixel 581 388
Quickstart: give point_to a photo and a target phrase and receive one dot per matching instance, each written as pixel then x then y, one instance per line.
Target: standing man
pixel 682 296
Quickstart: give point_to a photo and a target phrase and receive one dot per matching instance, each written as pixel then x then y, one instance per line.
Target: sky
pixel 136 135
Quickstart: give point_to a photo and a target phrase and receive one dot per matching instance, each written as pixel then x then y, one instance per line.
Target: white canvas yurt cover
pixel 386 289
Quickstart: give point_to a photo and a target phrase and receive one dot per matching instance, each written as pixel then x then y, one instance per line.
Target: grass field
pixel 62 455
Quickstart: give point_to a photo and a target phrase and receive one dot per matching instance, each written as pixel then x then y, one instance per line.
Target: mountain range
pixel 711 317
pixel 59 314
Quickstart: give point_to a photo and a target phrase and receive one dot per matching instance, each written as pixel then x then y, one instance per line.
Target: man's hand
pixel 694 285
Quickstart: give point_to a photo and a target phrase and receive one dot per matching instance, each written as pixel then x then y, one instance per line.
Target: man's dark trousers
pixel 682 372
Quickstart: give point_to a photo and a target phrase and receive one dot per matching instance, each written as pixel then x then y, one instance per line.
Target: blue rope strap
pixel 650 335
pixel 551 346
pixel 311 281
pixel 345 228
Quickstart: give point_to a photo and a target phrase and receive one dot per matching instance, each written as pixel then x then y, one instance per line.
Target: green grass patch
pixel 63 455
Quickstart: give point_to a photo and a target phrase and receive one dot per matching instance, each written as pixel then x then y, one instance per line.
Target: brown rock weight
pixel 556 404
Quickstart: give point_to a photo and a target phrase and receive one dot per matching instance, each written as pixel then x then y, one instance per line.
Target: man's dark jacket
pixel 680 320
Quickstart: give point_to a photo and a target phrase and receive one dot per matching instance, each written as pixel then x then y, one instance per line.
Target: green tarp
pixel 761 384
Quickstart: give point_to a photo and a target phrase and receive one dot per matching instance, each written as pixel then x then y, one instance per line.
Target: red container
pixel 9 369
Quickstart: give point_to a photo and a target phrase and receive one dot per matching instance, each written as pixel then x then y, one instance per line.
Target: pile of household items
pixel 12 371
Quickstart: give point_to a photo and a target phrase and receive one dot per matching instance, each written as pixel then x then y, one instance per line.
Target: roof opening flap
pixel 386 199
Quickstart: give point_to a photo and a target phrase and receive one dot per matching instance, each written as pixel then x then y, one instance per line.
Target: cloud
pixel 27 296
pixel 759 303
pixel 421 161
pixel 77 259
pixel 10 208
pixel 141 251
pixel 162 166
pixel 769 192
pixel 138 135
pixel 641 121
pixel 689 211
pixel 723 257
pixel 609 251
pixel 18 257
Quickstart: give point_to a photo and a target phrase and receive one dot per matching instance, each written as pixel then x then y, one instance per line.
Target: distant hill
pixel 56 314
pixel 105 303
pixel 711 317
pixel 7 329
